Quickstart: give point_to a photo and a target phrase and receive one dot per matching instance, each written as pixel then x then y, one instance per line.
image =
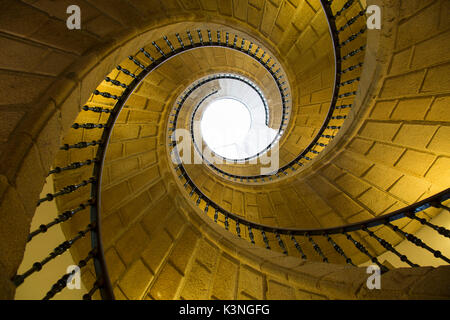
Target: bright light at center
pixel 225 123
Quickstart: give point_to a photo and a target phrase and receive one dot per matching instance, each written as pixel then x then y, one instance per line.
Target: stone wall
pixel 186 256
pixel 383 162
pixel 48 72
pixel 400 134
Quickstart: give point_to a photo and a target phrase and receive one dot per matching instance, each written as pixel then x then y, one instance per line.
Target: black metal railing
pixel 154 56
pixel 145 61
pixel 339 102
pixel 408 213
pixel 348 67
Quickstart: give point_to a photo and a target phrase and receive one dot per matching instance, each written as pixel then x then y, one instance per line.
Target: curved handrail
pixel 97 254
pixel 395 215
pixel 337 46
pixel 94 228
pixel 103 282
pixel 409 211
pixel 99 259
pixel 406 212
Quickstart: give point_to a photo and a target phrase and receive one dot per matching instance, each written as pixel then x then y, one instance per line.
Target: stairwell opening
pixel 225 125
pixel 135 177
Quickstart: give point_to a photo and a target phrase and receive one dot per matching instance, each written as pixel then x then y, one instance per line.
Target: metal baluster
pixel 271 68
pixel 66 190
pixel 169 44
pixel 179 40
pixel 43 228
pixel 238 229
pixel 389 247
pixel 72 166
pixel 344 106
pixel 353 53
pixel 250 233
pixel 338 117
pixel 299 163
pixel 317 248
pixel 206 207
pixel 441 230
pixel 209 37
pixel 418 242
pixel 320 144
pixel 352 37
pixel 136 62
pixel 347 5
pixel 147 54
pixel 62 282
pixel 88 296
pixel 218 37
pixel 256 51
pixel 200 36
pixel 281 243
pixel 440 205
pixel 81 145
pixel 298 247
pixel 190 38
pixel 348 82
pixel 97 109
pixel 347 94
pixel 88 126
pixel 116 82
pixel 250 48
pixel 339 249
pixel 159 49
pixel 262 57
pixel 352 21
pixel 265 239
pixel 226 222
pixel 361 248
pixel 216 215
pixel 127 72
pixel 106 95
pixel 351 68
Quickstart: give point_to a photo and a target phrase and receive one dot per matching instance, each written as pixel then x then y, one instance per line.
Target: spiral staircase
pixel 361 144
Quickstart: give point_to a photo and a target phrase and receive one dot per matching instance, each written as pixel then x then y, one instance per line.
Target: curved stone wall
pixel 399 132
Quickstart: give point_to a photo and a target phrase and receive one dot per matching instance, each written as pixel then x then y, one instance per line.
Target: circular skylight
pixel 224 125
